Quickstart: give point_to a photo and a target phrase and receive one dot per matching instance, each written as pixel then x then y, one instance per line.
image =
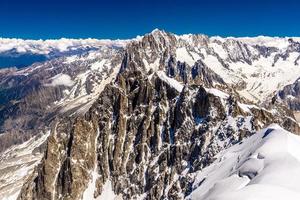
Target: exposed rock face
pixel 70 156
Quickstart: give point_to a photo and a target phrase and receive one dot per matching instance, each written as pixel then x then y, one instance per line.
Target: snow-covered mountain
pixel 256 67
pixel 147 118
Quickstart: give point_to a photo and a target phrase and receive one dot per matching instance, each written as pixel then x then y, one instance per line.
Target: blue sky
pixel 42 19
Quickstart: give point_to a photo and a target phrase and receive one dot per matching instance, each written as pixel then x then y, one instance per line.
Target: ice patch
pixel 107 192
pixel 172 82
pixel 217 93
pixel 182 55
pixel 98 65
pixel 246 108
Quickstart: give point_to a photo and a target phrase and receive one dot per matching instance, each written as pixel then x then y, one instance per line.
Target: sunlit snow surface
pixel 265 166
pixel 172 82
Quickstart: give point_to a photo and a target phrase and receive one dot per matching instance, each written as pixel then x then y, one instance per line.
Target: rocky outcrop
pixel 68 161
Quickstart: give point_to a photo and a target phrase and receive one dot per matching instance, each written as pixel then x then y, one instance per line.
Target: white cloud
pixel 62 79
pixel 61 45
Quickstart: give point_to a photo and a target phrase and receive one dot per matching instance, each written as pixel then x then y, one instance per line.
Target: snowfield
pixel 265 166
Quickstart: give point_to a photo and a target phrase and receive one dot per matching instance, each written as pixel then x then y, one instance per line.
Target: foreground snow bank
pixel 264 166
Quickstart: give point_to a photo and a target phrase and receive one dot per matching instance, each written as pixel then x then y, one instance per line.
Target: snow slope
pixel 264 166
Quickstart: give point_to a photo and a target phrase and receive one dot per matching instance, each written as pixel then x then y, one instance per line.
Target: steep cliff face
pixel 70 155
